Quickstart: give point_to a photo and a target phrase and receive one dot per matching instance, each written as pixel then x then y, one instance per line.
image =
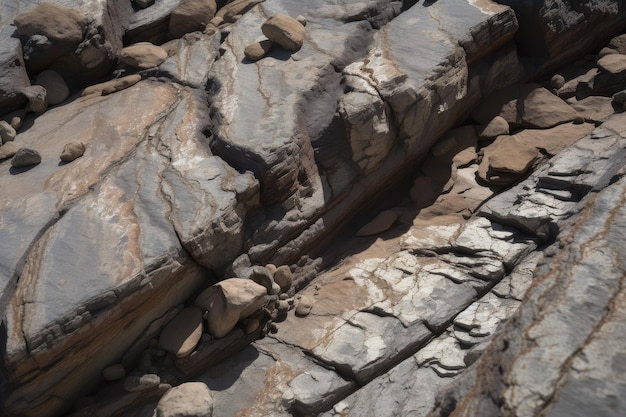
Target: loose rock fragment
pixel 261 275
pixel 304 307
pixel 143 55
pixel 191 16
pixel 8 150
pixel 191 399
pixel 257 50
pixel 229 301
pixel 37 98
pixel 135 383
pixel 7 133
pixel 302 20
pixel 182 334
pixel 557 81
pixel 72 150
pixel 112 86
pixel 283 277
pixel 25 157
pixel 56 88
pixel 284 31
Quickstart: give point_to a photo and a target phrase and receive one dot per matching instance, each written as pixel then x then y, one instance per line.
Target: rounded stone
pixel 304 307
pixel 191 399
pixel 557 81
pixel 143 55
pixel 8 150
pixel 56 87
pixel 182 334
pixel 282 306
pixel 271 268
pixel 257 50
pixel 37 98
pixel 71 151
pixel 302 20
pixel 284 31
pixel 7 132
pixel 135 383
pixel 191 16
pixel 283 277
pixel 114 372
pixel 25 157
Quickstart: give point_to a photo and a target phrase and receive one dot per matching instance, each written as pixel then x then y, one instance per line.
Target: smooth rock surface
pixel 56 88
pixel 192 399
pixel 182 334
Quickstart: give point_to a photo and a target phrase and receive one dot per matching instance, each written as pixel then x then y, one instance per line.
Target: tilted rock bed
pixel 341 118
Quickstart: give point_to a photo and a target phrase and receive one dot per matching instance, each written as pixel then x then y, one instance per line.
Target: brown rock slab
pixel 191 16
pixel 284 31
pixel 230 301
pixel 56 88
pixel 182 334
pixel 594 109
pixel 143 55
pixel 382 222
pixel 72 150
pixel 25 157
pixel 257 50
pixel 506 160
pixel 554 140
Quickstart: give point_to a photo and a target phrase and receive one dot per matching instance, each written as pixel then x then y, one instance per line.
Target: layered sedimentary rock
pixel 203 159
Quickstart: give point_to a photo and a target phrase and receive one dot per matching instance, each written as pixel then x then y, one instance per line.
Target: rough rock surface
pixel 192 399
pixel 208 161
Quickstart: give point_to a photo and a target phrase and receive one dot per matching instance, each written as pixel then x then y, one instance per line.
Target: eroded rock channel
pixel 323 208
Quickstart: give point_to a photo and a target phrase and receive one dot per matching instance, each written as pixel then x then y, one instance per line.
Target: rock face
pixel 204 165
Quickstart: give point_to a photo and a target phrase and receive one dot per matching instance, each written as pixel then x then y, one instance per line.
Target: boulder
pixel 257 50
pixel 262 276
pixel 52 31
pixel 283 277
pixel 25 157
pixel 72 150
pixel 191 16
pixel 304 306
pixel 506 160
pixel 143 55
pixel 182 334
pixel 56 88
pixel 285 31
pixel 191 399
pixel 229 301
pixel 618 44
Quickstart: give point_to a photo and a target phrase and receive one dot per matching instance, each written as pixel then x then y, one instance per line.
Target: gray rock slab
pixel 121 215
pixel 192 60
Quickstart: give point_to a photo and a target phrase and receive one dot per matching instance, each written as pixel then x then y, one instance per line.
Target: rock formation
pixel 207 197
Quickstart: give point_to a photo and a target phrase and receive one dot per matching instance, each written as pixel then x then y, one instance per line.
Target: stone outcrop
pixel 202 165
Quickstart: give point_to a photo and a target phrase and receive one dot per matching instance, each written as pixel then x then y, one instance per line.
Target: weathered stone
pixel 7 132
pixel 25 157
pixel 191 399
pixel 506 160
pixel 56 88
pixel 110 87
pixel 498 126
pixel 114 372
pixel 143 55
pixel 230 301
pixel 557 81
pixel 594 109
pixel 304 306
pixel 7 150
pixel 182 334
pixel 191 16
pixel 235 8
pixel 612 75
pixel 382 222
pixel 262 276
pixel 57 23
pixel 284 31
pixel 257 50
pixel 528 105
pixel 283 277
pixel 136 383
pixel 37 98
pixel 72 150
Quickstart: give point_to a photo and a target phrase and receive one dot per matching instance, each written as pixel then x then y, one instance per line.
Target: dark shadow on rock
pixel 16 171
pixel 61 163
pixel 223 375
